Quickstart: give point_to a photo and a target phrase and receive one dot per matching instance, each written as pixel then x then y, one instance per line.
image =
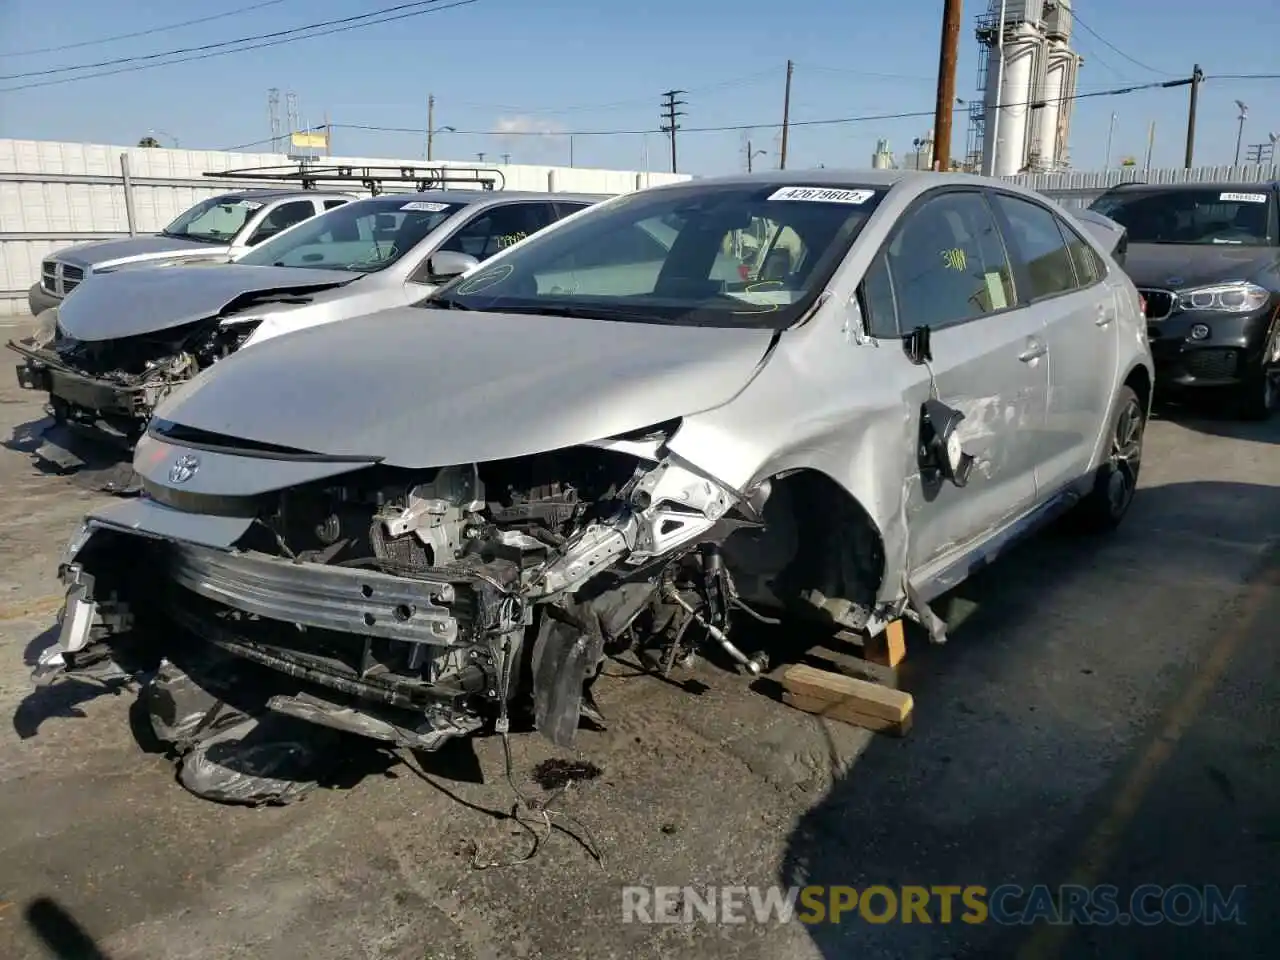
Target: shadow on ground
pixel 959 806
pixel 57 930
pixel 1216 417
pixel 55 450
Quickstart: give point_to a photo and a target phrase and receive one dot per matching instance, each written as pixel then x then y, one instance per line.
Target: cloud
pixel 516 135
pixel 525 125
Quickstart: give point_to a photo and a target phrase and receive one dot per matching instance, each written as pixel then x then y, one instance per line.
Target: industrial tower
pixel 1027 75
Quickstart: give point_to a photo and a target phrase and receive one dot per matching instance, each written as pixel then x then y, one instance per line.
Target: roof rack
pixel 372 178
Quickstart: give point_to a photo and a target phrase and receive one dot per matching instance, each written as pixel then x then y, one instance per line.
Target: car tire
pixel 1259 396
pixel 1116 481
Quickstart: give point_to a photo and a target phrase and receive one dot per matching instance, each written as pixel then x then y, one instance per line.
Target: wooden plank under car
pixel 849 700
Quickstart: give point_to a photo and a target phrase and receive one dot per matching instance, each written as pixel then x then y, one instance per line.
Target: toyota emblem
pixel 184 468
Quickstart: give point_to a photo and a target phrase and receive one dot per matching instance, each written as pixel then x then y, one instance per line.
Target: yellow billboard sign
pixel 317 141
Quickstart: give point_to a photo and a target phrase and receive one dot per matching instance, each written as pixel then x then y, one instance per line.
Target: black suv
pixel 1206 259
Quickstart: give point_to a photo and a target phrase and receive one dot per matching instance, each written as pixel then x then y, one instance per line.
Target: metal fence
pixel 1081 189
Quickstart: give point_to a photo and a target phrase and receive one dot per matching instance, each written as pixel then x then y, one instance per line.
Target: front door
pixel 950 272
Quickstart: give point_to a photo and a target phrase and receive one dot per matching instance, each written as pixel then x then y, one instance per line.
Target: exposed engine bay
pixel 417 606
pixel 118 383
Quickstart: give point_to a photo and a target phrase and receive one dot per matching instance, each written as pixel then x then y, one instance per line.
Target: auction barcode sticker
pixel 425 206
pixel 823 195
pixel 1245 197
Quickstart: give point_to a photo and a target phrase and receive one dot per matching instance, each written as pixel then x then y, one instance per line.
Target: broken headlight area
pixel 412 607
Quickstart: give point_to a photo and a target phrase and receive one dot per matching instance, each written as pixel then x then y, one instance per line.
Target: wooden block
pixel 845 712
pixel 851 665
pixel 870 699
pixel 889 647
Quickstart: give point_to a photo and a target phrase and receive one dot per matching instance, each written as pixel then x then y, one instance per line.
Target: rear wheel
pixel 1117 479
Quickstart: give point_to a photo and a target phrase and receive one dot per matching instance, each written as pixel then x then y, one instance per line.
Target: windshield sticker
pixel 995 290
pixel 823 195
pixel 425 206
pixel 1245 197
pixel 250 204
pixel 954 259
pixel 484 280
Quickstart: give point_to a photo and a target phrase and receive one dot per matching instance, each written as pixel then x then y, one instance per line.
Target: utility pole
pixel 1110 130
pixel 506 159
pixel 480 156
pixel 1151 145
pixel 431 121
pixel 945 106
pixel 1244 112
pixel 786 121
pixel 1197 77
pixel 669 115
pixel 328 135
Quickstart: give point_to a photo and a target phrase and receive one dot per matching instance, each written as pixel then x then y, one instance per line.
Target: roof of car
pixel 852 177
pixel 268 194
pixel 490 196
pixel 1241 186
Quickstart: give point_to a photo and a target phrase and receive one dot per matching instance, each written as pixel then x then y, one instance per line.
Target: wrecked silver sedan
pixel 808 395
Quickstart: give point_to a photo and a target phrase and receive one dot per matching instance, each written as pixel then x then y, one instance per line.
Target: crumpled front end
pixel 115 385
pixel 411 606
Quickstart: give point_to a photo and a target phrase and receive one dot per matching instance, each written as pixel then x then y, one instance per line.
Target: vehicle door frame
pixel 418 275
pixel 954 499
pixel 240 242
pixel 1051 479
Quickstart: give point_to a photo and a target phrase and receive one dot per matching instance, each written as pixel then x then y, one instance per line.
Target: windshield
pixel 723 255
pixel 1191 216
pixel 366 236
pixel 217 219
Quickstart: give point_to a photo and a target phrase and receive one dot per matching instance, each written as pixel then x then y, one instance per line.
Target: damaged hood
pixel 417 387
pixel 104 254
pixel 134 302
pixel 1181 266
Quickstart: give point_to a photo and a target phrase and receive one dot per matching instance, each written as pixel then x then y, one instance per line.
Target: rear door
pixel 946 268
pixel 1061 278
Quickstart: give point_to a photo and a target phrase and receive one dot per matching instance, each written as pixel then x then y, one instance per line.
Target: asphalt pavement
pixel 1104 713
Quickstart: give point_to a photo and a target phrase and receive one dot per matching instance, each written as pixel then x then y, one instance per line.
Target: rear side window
pixel 1088 268
pixel 1038 243
pixel 948 263
pixel 330 204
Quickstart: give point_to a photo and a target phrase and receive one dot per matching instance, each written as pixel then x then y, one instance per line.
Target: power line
pixel 220 44
pixel 256 46
pixel 142 33
pixel 1101 39
pixel 741 81
pixel 737 127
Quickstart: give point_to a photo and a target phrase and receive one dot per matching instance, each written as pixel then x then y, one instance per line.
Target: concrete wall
pixel 53 195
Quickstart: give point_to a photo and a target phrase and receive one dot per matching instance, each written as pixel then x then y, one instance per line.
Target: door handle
pixel 1033 352
pixel 1103 318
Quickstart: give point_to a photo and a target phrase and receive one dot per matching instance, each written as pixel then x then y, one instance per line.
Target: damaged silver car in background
pixel 805 396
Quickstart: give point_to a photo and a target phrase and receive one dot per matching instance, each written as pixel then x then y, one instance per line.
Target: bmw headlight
pixel 1225 298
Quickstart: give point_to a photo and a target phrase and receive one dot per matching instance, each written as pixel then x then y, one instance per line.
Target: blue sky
pixel 571 65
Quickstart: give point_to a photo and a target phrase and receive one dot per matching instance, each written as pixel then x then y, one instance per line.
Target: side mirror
pixel 917 346
pixel 447 264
